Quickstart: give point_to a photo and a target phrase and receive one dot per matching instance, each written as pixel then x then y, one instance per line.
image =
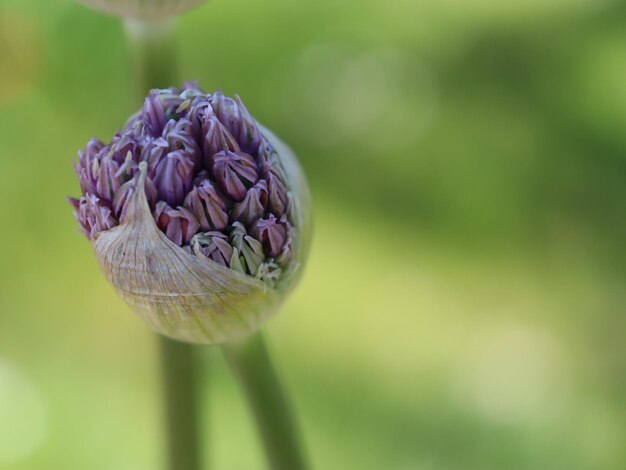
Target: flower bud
pixel 92 214
pixel 248 252
pixel 173 177
pixel 205 202
pixel 272 233
pixel 142 9
pixel 198 216
pixel 234 172
pixel 179 225
pixel 253 205
pixel 213 245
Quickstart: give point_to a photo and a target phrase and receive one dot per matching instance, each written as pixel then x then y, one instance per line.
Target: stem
pixel 153 59
pixel 153 54
pixel 179 385
pixel 251 363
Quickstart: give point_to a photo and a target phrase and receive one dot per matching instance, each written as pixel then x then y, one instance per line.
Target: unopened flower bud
pixel 216 138
pixel 253 205
pixel 213 245
pixel 234 172
pixel 179 225
pixel 205 202
pixel 92 214
pixel 198 216
pixel 173 177
pixel 272 233
pixel 248 254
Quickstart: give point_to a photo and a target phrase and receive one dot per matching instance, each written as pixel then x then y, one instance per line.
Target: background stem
pixel 179 386
pixel 153 59
pixel 153 54
pixel 253 368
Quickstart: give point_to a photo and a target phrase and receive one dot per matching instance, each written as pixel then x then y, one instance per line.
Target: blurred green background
pixel 463 306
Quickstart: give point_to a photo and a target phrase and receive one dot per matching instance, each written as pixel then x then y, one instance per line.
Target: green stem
pixel 153 59
pixel 153 54
pixel 252 366
pixel 179 385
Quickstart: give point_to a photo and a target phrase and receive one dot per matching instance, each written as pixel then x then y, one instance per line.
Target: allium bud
pixel 198 216
pixel 142 9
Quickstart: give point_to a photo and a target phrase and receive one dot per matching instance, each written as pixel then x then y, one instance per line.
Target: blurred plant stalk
pixel 154 64
pixel 153 55
pixel 252 366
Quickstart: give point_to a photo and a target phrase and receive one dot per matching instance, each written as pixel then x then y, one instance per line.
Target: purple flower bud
pixel 216 138
pixel 93 147
pixel 86 177
pixel 278 198
pixel 249 134
pixel 108 180
pixel 92 214
pixel 153 113
pixel 173 177
pixel 234 173
pixel 210 176
pixel 179 137
pixel 154 151
pixel 196 170
pixel 179 225
pixel 227 111
pixel 254 204
pixel 124 145
pixel 206 204
pixel 213 245
pixel 236 118
pixel 272 233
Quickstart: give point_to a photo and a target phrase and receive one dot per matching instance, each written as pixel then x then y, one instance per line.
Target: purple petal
pixel 179 225
pixel 173 177
pixel 234 173
pixel 153 113
pixel 207 204
pixel 93 215
pixel 272 233
pixel 216 139
pixel 254 204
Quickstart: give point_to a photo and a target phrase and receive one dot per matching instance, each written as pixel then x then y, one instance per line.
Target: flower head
pixel 194 201
pixel 142 9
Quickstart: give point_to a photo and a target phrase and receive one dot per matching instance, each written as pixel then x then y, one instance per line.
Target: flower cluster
pixel 213 181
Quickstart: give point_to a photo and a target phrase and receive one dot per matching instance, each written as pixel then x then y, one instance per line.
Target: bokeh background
pixel 464 302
